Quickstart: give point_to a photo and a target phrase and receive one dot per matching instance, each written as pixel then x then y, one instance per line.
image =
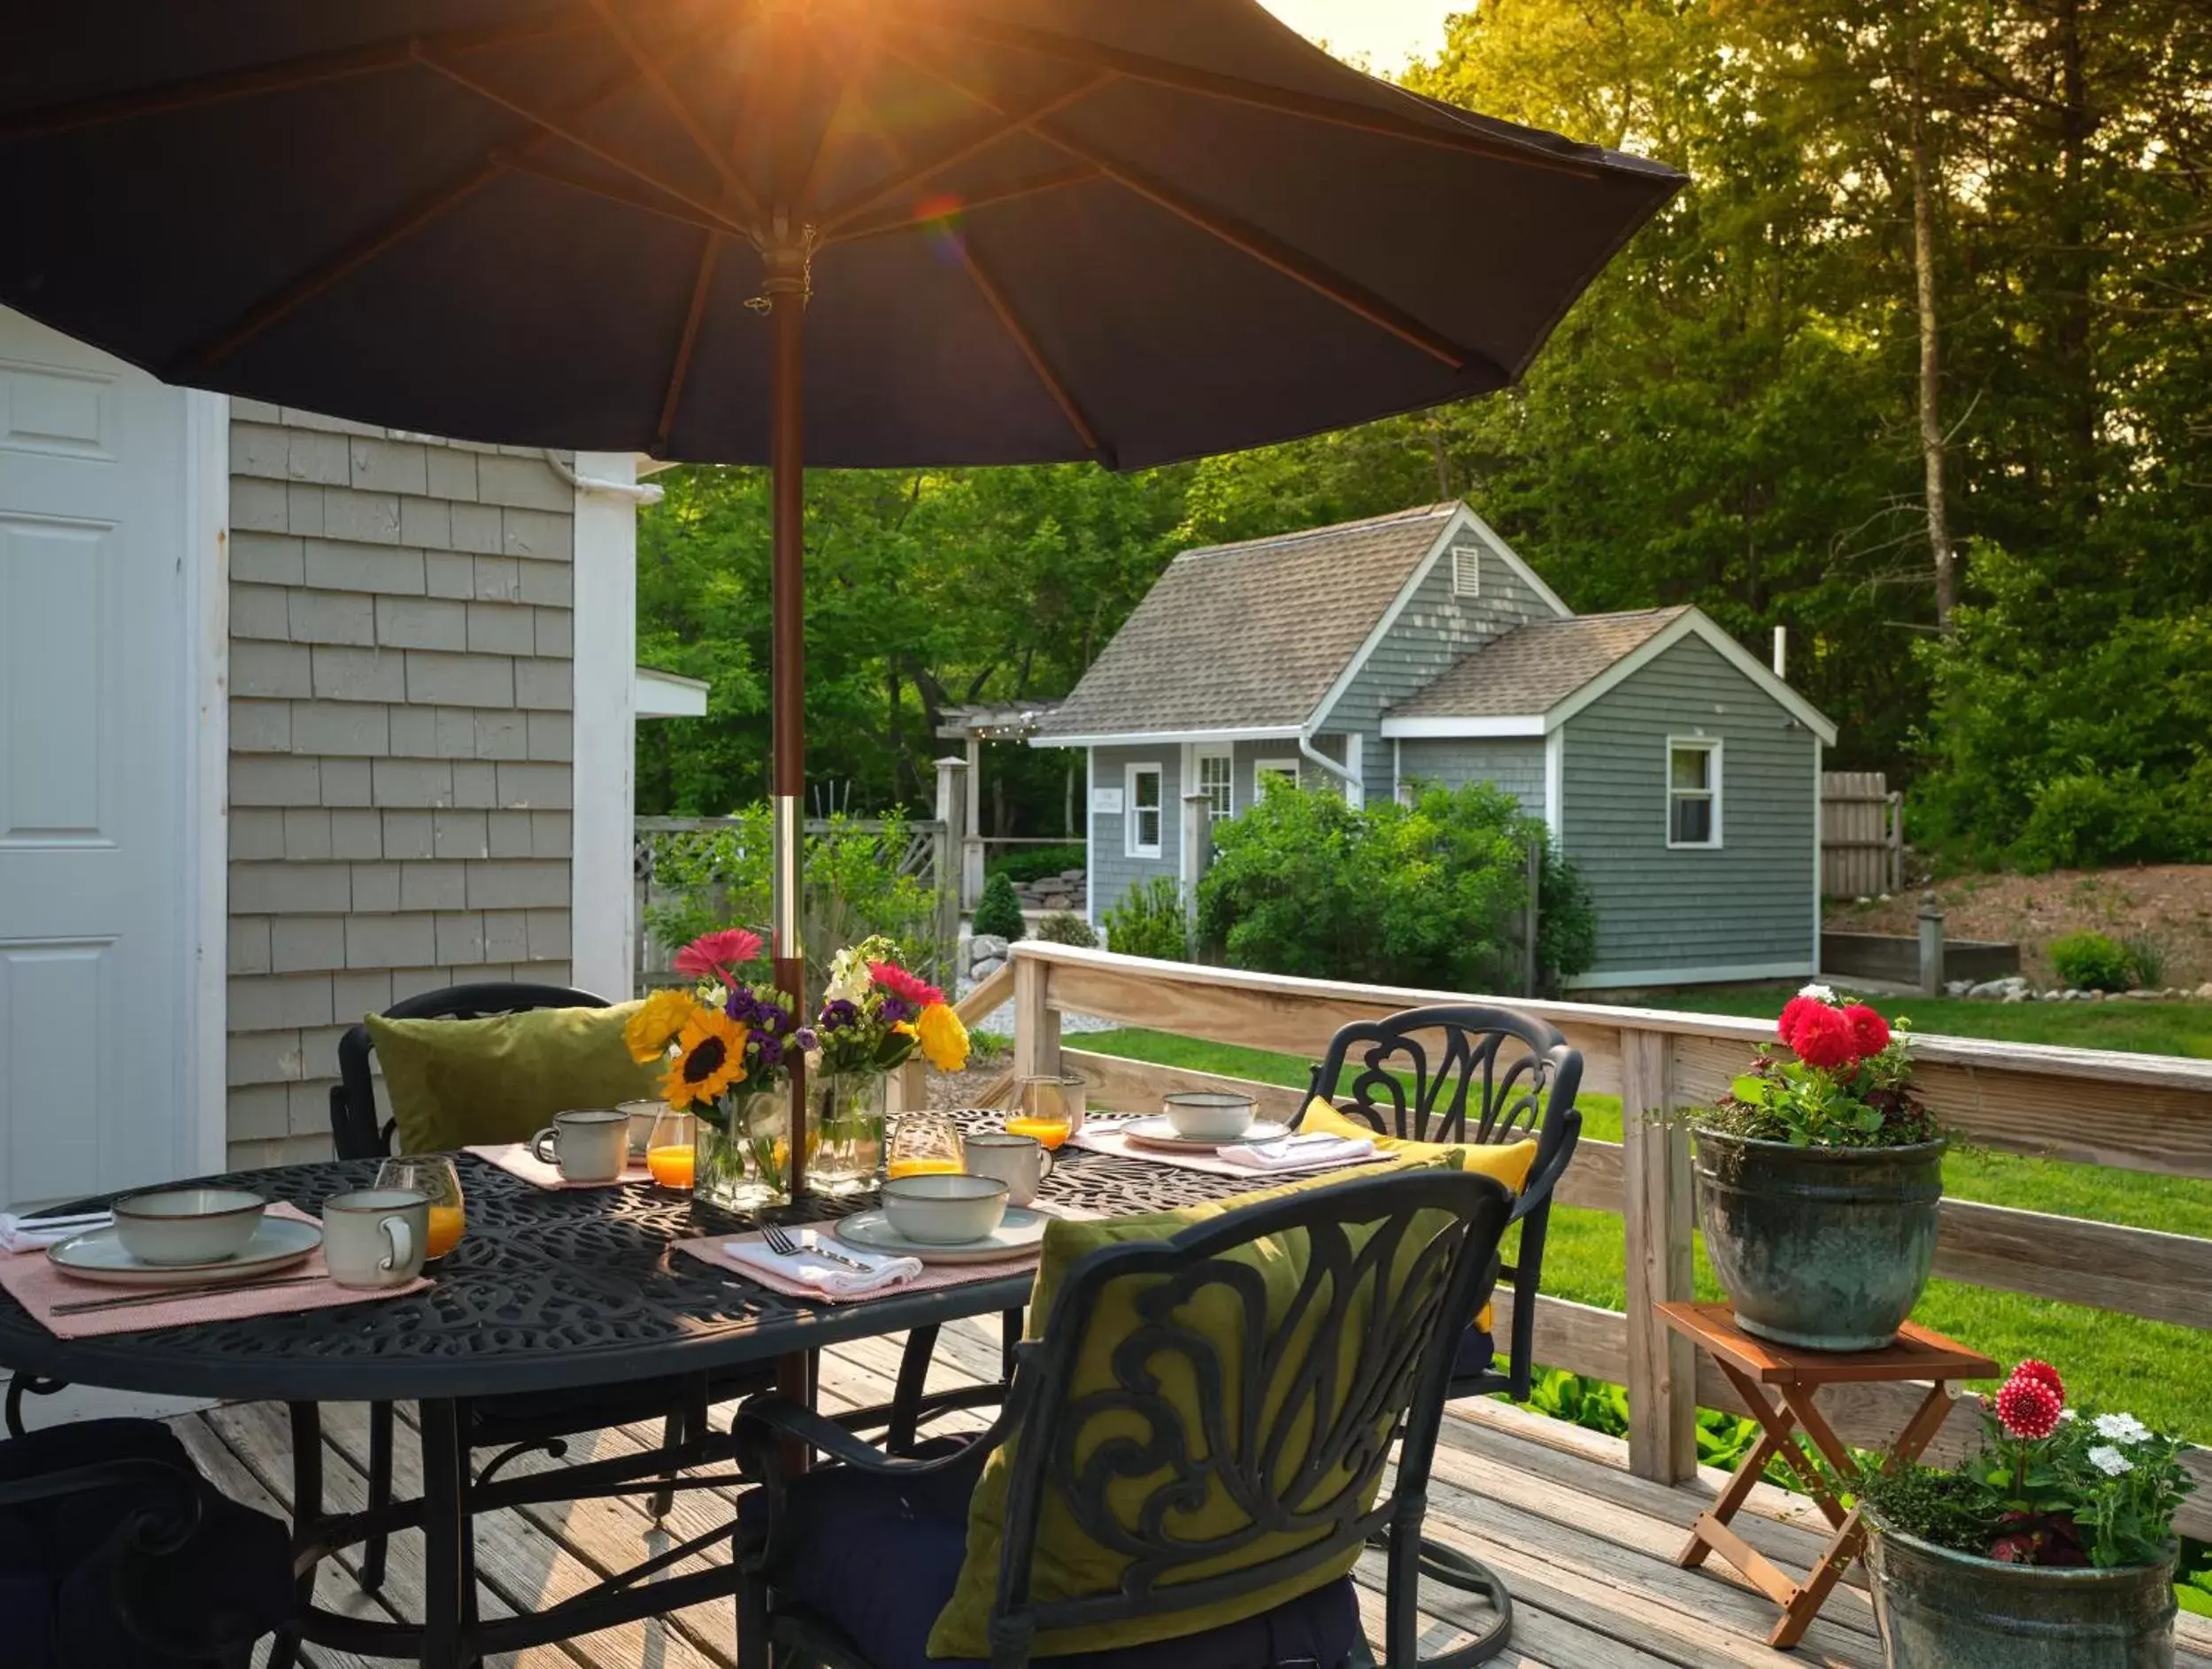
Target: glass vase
pixel 844 1151
pixel 742 1152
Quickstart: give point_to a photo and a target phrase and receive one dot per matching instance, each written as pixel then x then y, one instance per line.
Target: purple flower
pixel 807 1038
pixel 740 1006
pixel 771 1049
pixel 894 1009
pixel 773 1017
pixel 837 1014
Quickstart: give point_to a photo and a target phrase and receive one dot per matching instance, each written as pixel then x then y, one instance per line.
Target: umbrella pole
pixel 786 290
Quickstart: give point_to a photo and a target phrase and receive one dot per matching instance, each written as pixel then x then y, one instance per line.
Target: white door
pixel 95 724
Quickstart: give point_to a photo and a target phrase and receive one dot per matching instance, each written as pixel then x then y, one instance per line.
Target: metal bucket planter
pixel 1940 1610
pixel 1827 1248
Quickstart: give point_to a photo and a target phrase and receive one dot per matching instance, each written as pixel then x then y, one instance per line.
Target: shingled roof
pixel 1249 635
pixel 1533 668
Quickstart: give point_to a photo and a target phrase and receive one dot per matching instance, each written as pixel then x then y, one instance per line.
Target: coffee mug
pixel 1020 1162
pixel 375 1237
pixel 591 1144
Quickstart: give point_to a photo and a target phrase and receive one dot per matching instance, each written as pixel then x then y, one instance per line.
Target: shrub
pixel 998 913
pixel 1149 922
pixel 1035 863
pixel 2146 958
pixel 2092 962
pixel 2086 818
pixel 1064 926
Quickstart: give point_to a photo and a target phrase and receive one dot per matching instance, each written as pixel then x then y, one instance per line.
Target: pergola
pixel 1005 721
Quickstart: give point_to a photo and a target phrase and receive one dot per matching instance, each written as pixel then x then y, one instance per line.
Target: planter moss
pixel 1827 1248
pixel 1940 1610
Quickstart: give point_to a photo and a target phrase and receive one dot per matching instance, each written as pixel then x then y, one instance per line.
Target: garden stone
pixel 987 967
pixel 985 946
pixel 1958 988
pixel 2204 992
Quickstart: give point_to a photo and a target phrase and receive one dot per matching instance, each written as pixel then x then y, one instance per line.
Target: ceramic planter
pixel 1940 1610
pixel 1827 1248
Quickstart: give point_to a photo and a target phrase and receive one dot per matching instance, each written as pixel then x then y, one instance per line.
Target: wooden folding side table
pixel 1753 1364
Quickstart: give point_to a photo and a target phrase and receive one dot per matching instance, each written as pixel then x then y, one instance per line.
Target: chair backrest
pixel 1301 1397
pixel 1465 1073
pixel 353 1127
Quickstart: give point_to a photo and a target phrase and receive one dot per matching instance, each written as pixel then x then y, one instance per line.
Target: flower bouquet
pixel 873 1015
pixel 2085 1501
pixel 729 1043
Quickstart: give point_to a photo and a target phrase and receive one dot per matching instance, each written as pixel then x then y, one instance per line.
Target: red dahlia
pixel 1870 1032
pixel 2043 1375
pixel 2029 1407
pixel 1822 1037
pixel 1793 1012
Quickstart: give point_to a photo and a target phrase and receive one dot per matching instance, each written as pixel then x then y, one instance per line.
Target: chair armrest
pixel 761 1421
pixel 1536 1191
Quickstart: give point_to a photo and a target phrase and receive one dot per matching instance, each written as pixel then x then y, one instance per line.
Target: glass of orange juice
pixel 433 1176
pixel 1049 1108
pixel 923 1144
pixel 670 1152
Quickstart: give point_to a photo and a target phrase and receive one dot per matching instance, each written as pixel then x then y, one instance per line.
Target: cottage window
pixel 1466 570
pixel 1141 827
pixel 1693 791
pixel 1214 782
pixel 1267 771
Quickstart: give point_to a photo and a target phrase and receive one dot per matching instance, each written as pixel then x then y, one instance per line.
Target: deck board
pixel 1587 1548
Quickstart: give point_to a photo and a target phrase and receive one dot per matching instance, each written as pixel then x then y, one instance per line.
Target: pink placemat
pixel 932 1277
pixel 1096 1137
pixel 33 1282
pixel 516 1159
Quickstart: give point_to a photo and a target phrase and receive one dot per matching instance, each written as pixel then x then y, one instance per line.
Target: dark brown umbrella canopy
pixel 1134 230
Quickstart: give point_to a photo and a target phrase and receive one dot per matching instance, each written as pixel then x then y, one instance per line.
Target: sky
pixel 1388 31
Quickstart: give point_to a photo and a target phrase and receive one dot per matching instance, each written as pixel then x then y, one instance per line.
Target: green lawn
pixel 2153 1369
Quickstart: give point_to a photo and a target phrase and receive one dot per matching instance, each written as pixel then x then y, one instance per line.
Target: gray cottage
pixel 1680 774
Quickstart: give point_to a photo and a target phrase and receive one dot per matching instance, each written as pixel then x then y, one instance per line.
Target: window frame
pixel 1286 766
pixel 1711 746
pixel 1200 757
pixel 1472 552
pixel 1131 816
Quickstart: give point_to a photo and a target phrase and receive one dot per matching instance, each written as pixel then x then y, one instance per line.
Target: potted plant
pixel 874 1014
pixel 1817 1183
pixel 2052 1547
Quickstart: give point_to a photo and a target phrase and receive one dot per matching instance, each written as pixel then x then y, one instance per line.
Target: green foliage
pixel 1064 926
pixel 1430 894
pixel 1599 1405
pixel 2146 958
pixel 854 888
pixel 998 913
pixel 2091 961
pixel 1847 1093
pixel 1946 1508
pixel 1148 922
pixel 1035 863
pixel 1565 921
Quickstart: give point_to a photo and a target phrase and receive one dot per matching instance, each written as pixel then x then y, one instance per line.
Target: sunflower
pixel 658 1018
pixel 710 1057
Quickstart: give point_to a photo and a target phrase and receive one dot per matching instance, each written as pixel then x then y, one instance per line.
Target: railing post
pixel 1036 1025
pixel 1529 960
pixel 1930 945
pixel 1198 850
pixel 1656 1214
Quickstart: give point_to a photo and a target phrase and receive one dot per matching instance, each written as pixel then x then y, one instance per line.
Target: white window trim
pixel 1287 765
pixel 1710 745
pixel 1466 559
pixel 1200 756
pixel 1131 846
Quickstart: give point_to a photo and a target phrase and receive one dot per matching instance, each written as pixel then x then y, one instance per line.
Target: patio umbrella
pixel 798 232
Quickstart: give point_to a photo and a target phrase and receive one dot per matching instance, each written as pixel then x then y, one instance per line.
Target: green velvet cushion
pixel 462 1083
pixel 1069 1563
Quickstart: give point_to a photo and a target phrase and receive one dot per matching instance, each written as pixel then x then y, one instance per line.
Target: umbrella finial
pixel 790 257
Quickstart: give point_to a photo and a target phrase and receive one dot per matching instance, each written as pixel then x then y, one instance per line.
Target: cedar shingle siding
pixel 401 735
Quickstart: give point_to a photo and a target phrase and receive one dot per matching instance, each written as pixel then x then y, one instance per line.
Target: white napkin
pixel 1297 1152
pixel 35 1233
pixel 825 1275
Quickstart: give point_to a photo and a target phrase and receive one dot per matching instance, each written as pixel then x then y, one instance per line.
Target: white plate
pixel 1156 1132
pixel 1021 1234
pixel 99 1256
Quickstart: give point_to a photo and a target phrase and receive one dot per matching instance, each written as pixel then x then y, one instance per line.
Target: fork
pixel 785 1244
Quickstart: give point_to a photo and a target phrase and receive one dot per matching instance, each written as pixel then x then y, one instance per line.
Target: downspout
pixel 641 493
pixel 1343 773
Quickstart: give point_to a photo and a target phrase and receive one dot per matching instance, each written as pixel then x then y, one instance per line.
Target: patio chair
pixel 116 1554
pixel 1188 1462
pixel 521 1424
pixel 1454 1072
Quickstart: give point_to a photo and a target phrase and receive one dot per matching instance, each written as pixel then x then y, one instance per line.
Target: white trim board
pixel 1711 973
pixel 1435 728
pixel 205 1139
pixel 1168 738
pixel 1555 787
pixel 603 774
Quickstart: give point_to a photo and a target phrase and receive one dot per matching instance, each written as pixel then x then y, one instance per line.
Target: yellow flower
pixel 943 1039
pixel 658 1018
pixel 710 1057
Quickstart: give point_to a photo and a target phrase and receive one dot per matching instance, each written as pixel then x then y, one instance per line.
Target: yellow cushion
pixel 1509 1162
pixel 458 1083
pixel 1068 1562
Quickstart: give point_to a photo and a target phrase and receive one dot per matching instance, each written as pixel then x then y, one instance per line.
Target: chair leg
pixel 914 1374
pixel 1446 1565
pixel 380 1493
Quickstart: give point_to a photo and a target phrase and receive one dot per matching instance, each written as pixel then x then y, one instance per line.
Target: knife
pixel 81 1306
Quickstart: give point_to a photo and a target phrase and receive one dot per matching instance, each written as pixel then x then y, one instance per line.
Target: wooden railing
pixel 2135 1112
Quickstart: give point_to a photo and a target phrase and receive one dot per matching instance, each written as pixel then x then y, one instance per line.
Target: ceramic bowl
pixel 188 1224
pixel 945 1210
pixel 643 1115
pixel 1203 1116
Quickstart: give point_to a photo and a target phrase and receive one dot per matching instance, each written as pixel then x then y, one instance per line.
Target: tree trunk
pixel 1924 187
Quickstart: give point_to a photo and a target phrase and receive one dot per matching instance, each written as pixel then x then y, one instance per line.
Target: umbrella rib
pixel 307 71
pixel 613 191
pixel 1139 66
pixel 1008 318
pixel 981 140
pixel 888 224
pixel 656 78
pixel 562 125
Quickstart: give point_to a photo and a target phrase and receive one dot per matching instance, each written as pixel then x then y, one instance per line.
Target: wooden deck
pixel 1587 1548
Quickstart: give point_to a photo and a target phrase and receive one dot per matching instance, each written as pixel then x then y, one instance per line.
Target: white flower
pixel 2067 1413
pixel 1818 992
pixel 2110 1461
pixel 2121 1429
pixel 848 976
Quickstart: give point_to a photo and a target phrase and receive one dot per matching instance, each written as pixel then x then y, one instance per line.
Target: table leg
pixel 913 1373
pixel 1739 1491
pixel 446 1563
pixel 1781 1425
pixel 795 1379
pixel 306 1517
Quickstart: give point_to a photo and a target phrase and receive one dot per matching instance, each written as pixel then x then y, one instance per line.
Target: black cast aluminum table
pixel 549 1290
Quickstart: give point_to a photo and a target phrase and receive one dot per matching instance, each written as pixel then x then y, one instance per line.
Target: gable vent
pixel 1466 570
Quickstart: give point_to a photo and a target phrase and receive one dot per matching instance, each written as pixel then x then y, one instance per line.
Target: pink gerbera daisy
pixel 908 987
pixel 716 954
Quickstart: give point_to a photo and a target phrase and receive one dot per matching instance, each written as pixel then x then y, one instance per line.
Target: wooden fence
pixel 1861 835
pixel 2133 1112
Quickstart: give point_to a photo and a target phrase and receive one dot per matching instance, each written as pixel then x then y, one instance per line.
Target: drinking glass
pixel 924 1144
pixel 433 1176
pixel 1049 1108
pixel 669 1151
